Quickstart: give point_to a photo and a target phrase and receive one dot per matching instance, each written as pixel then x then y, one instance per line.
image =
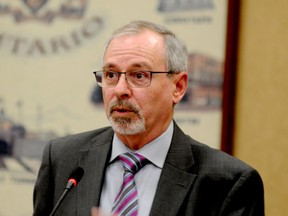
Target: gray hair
pixel 175 50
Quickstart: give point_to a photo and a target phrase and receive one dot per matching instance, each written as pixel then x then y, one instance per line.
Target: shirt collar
pixel 155 151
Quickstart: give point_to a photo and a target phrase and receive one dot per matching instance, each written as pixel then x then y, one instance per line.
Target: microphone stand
pixel 69 186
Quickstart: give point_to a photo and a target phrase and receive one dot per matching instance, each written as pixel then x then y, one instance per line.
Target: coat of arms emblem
pixel 42 10
pixel 34 5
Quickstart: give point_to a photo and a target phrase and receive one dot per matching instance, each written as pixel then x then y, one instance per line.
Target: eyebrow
pixel 108 66
pixel 135 65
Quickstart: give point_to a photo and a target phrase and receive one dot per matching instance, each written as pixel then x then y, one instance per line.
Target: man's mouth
pixel 122 110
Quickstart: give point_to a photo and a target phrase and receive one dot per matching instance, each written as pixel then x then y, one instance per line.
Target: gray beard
pixel 127 126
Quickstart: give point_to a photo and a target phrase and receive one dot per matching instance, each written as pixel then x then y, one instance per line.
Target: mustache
pixel 123 104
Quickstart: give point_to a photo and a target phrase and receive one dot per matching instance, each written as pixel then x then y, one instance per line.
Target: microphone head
pixel 75 176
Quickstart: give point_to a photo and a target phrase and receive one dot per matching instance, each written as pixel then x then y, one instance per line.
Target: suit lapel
pixel 175 180
pixel 89 190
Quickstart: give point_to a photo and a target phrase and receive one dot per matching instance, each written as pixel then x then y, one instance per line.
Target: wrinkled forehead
pixel 146 38
pixel 146 46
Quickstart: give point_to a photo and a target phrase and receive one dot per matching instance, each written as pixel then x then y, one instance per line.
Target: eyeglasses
pixel 135 79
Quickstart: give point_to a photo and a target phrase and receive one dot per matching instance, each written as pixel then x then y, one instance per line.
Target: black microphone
pixel 73 180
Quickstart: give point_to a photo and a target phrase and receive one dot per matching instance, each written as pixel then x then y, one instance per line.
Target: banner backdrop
pixel 48 51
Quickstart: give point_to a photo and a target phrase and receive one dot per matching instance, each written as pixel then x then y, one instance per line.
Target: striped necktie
pixel 126 201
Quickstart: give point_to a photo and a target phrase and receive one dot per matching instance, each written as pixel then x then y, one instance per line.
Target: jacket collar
pixel 176 178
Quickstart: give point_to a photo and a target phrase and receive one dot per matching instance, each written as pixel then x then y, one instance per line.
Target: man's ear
pixel 181 83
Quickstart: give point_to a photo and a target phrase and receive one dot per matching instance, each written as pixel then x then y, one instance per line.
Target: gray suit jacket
pixel 196 179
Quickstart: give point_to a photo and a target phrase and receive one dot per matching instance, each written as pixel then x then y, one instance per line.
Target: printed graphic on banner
pixel 39 10
pixel 44 13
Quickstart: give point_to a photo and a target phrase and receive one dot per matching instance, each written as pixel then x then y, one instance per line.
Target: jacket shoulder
pixel 81 140
pixel 214 162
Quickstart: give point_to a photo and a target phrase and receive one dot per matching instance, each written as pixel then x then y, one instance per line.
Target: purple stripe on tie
pixel 127 163
pixel 127 201
pixel 125 191
pixel 128 179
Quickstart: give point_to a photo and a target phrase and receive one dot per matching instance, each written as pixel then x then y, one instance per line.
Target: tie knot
pixel 132 162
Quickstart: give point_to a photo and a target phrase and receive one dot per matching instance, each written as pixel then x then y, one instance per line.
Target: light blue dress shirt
pixel 146 179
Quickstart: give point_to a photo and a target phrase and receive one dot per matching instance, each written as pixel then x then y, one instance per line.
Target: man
pixel 144 76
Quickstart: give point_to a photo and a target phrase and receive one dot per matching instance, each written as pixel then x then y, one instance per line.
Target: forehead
pixel 136 49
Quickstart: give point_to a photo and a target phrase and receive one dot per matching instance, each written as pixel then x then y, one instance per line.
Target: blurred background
pixel 49 49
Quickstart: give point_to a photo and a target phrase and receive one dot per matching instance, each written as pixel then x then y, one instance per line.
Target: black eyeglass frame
pixel 120 72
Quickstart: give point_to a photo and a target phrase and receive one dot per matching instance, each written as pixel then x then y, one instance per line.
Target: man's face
pixel 136 110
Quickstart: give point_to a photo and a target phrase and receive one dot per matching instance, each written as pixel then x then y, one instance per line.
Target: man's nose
pixel 122 89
